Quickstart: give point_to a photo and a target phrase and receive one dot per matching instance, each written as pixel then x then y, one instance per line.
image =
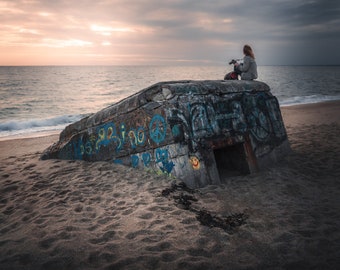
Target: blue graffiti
pixel 134 161
pixel 78 148
pixel 109 135
pixel 133 138
pixel 175 131
pixel 146 157
pixel 162 156
pixel 118 161
pixel 200 120
pixel 106 134
pixel 167 167
pixel 136 137
pixel 157 128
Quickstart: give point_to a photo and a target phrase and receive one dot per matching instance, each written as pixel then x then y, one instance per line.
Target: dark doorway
pixel 231 161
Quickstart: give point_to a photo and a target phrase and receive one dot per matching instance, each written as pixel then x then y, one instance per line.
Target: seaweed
pixel 205 217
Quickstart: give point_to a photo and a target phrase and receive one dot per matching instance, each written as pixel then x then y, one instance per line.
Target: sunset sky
pixel 168 32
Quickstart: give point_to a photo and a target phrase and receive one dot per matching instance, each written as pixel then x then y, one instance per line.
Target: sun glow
pixel 45 14
pixel 108 30
pixel 106 43
pixel 59 43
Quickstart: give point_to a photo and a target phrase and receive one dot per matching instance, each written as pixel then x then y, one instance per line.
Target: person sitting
pixel 248 69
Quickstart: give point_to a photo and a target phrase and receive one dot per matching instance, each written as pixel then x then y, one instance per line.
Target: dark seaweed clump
pixel 182 195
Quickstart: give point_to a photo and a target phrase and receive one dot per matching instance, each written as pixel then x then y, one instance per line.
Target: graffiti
pixel 109 135
pixel 157 128
pixel 162 156
pixel 238 121
pixel 256 112
pixel 87 148
pixel 202 117
pixel 136 137
pixel 146 157
pixel 122 131
pixel 133 138
pixel 161 161
pixel 259 125
pixel 134 161
pixel 118 161
pixel 220 117
pixel 276 118
pixel 176 132
pixel 195 162
pixel 181 130
pixel 208 119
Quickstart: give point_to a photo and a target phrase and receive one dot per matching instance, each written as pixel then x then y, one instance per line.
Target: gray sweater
pixel 249 68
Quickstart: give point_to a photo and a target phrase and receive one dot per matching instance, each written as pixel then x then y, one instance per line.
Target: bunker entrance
pixel 231 161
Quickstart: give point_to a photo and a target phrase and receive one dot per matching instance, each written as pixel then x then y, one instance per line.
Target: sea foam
pixel 31 126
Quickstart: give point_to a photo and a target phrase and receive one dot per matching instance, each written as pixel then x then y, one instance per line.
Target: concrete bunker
pixel 197 131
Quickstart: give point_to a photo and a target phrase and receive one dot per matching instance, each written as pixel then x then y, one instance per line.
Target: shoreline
pixel 60 214
pixel 33 135
pixel 311 114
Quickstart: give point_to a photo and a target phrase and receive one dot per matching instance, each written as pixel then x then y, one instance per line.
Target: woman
pixel 248 69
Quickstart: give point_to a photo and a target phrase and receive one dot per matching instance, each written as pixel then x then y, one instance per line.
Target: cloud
pixel 171 31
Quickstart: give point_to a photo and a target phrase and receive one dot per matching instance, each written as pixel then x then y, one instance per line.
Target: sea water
pixel 45 99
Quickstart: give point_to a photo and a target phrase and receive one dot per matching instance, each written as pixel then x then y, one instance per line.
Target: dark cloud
pixel 281 31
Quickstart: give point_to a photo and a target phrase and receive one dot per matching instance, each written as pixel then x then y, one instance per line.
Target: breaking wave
pixel 34 126
pixel 306 99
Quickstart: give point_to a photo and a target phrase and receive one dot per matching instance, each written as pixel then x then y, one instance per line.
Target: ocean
pixel 39 100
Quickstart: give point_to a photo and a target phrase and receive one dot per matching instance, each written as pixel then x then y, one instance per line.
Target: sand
pixel 78 215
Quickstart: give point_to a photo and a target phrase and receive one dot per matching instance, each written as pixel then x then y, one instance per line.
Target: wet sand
pixel 78 215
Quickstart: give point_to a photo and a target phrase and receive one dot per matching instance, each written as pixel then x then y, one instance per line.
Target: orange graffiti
pixel 195 163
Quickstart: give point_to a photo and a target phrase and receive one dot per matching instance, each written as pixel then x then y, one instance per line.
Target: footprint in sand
pixel 127 212
pixel 106 237
pixel 146 216
pixel 169 256
pixel 9 188
pixel 104 220
pixel 133 235
pixel 29 166
pixel 71 228
pixel 189 220
pixel 65 235
pixel 9 210
pixel 120 203
pixel 78 208
pixel 47 243
pixel 159 247
pixel 117 195
pixel 9 228
pixel 97 258
pixel 34 176
pixel 3 201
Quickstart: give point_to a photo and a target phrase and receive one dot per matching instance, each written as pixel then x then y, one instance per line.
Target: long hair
pixel 248 51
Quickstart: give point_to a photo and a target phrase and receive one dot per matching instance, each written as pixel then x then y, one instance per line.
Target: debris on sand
pixel 184 201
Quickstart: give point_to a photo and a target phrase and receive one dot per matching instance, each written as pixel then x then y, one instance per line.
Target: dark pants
pixel 237 69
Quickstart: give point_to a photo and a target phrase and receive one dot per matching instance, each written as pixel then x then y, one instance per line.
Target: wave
pixel 32 126
pixel 297 100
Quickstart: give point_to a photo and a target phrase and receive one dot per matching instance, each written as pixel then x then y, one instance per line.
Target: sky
pixel 168 32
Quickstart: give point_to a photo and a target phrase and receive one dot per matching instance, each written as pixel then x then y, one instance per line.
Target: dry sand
pixel 78 215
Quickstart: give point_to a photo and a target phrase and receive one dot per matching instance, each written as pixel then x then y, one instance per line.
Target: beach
pixel 59 214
